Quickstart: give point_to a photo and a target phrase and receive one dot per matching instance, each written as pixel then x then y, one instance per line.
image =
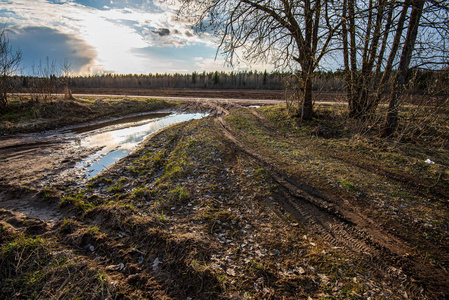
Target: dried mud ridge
pixel 345 229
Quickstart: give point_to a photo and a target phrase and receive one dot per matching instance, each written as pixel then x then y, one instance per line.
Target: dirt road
pixel 199 211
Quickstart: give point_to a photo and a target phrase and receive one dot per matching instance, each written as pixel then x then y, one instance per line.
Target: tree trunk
pixel 348 73
pixel 364 82
pixel 307 106
pixel 399 82
pixel 352 55
pixel 3 100
pixel 391 57
pixel 3 93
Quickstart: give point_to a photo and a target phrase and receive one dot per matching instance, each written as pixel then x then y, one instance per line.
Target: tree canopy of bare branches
pixel 286 33
pixel 9 62
pixel 374 38
pixel 381 41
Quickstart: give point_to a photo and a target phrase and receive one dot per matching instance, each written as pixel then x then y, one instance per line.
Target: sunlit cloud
pixel 113 31
pixel 210 64
pixel 55 45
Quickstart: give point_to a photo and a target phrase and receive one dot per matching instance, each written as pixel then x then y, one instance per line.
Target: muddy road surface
pixel 70 156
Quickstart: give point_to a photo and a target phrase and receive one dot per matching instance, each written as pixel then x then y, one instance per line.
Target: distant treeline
pixel 205 80
pixel 324 81
pixel 210 80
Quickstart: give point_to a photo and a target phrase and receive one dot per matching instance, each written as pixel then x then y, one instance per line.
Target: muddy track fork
pixel 317 216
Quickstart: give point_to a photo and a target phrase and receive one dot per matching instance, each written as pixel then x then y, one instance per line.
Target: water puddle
pixel 123 121
pixel 115 140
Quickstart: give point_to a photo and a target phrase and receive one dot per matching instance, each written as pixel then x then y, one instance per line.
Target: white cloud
pixel 219 64
pixel 113 33
pixel 211 64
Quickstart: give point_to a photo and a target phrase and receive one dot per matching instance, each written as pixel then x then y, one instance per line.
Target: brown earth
pixel 347 223
pixel 189 93
pixel 319 96
pixel 224 207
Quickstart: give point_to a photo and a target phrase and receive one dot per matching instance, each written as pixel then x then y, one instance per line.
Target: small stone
pixel 118 267
pixel 323 277
pixel 256 287
pixel 89 247
pixel 156 263
pixel 231 272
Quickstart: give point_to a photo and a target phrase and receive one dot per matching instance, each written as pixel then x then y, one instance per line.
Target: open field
pixel 246 203
pixel 190 93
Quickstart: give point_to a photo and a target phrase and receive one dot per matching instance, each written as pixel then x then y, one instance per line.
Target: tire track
pixel 349 231
pixel 312 210
pixel 428 189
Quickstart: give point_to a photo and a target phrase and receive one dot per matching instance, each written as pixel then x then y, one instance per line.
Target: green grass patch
pixel 118 186
pixel 348 185
pixel 179 194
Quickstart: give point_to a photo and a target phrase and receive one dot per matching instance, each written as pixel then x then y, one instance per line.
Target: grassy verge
pixel 34 266
pixel 401 183
pixel 23 115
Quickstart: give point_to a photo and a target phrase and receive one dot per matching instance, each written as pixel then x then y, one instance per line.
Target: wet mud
pixel 69 157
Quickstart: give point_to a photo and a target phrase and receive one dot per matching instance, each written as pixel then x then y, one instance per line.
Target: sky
pixel 109 36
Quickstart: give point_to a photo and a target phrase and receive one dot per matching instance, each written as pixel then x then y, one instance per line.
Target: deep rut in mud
pixel 345 228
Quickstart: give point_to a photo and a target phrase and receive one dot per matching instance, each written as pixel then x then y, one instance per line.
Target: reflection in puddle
pixel 145 117
pixel 117 143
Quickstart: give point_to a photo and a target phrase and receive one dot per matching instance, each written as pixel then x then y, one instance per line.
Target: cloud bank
pixel 97 36
pixel 43 42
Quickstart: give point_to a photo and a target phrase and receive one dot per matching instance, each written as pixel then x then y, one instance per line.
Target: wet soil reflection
pixel 133 119
pixel 116 140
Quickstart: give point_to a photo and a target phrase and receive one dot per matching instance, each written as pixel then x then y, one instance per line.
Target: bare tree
pixel 288 33
pixel 66 79
pixel 9 62
pixel 44 85
pixel 401 74
pixel 379 45
pixel 366 33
